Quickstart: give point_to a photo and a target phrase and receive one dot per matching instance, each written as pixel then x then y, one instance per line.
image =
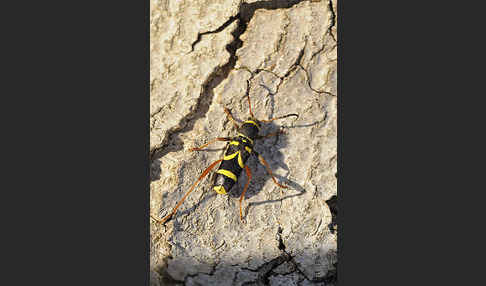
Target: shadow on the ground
pixel 332 203
pixel 267 273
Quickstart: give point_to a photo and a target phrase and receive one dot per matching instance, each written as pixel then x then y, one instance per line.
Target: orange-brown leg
pixel 249 105
pixel 210 142
pixel 242 197
pixel 190 190
pixel 264 163
pixel 230 117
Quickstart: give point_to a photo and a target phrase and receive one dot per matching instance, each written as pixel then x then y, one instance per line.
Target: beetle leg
pixel 210 142
pixel 249 103
pixel 242 197
pixel 230 117
pixel 264 163
pixel 190 190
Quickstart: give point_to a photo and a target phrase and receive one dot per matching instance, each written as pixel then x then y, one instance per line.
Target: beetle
pixel 238 151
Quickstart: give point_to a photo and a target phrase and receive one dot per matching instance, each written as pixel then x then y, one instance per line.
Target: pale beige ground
pixel 286 58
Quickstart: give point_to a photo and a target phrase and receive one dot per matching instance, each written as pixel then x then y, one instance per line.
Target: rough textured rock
pixel 207 55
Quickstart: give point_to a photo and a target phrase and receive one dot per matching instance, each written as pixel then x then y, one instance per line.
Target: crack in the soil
pixel 320 50
pixel 211 273
pixel 234 278
pixel 330 277
pixel 248 9
pixel 219 29
pixel 333 19
pixel 309 84
pixel 266 269
pixel 157 111
pixel 281 244
pixel 282 78
pixel 297 61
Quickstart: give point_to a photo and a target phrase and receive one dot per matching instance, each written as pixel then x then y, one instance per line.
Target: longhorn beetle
pixel 239 149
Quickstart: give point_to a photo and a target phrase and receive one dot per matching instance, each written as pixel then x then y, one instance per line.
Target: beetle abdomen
pixel 230 169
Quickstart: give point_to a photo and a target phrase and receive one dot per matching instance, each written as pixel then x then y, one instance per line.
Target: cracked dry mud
pixel 206 55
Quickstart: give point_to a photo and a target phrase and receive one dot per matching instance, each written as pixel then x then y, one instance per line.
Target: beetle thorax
pixel 249 129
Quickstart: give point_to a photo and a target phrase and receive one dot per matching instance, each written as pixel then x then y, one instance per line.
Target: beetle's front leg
pixel 230 117
pixel 210 142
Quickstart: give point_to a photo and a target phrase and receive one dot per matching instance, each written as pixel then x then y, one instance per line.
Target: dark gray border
pixel 409 202
pixel 340 135
pixel 78 72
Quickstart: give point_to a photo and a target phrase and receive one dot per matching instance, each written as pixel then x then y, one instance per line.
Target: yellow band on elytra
pixel 228 174
pixel 220 190
pixel 240 160
pixel 248 149
pixel 231 156
pixel 235 143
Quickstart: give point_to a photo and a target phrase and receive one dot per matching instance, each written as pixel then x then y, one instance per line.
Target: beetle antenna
pixel 281 117
pixel 249 105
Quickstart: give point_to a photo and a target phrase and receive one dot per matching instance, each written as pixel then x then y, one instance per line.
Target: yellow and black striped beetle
pixel 239 149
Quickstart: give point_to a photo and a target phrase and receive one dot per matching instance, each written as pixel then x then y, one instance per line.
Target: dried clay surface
pixel 209 54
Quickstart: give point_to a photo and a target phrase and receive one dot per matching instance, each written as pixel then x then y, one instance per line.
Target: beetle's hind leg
pixel 162 221
pixel 242 197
